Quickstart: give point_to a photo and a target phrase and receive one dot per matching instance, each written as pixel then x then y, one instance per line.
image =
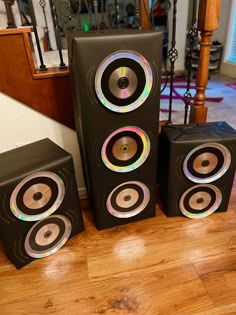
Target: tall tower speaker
pixel 39 203
pixel 116 91
pixel 196 167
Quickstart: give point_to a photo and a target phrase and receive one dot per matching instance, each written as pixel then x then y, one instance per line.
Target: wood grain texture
pixel 198 111
pixel 49 92
pixel 156 266
pixel 12 31
pixel 208 15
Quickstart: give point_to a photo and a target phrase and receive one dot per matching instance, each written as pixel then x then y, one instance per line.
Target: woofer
pixel 125 149
pixel 37 196
pixel 123 81
pixel 128 199
pixel 200 201
pixel 207 162
pixel 47 236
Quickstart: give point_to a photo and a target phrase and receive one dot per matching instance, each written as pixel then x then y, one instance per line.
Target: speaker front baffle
pixel 196 166
pixel 115 79
pixel 39 202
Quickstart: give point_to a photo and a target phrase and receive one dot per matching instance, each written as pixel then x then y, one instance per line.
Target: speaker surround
pixel 197 165
pixel 39 202
pixel 115 78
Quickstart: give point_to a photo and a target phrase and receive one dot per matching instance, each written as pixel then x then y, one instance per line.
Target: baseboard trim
pixel 228 69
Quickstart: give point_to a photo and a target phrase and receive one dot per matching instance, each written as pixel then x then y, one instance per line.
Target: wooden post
pixel 144 14
pixel 208 21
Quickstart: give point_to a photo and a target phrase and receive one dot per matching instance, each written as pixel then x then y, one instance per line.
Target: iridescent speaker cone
pixel 128 199
pixel 200 201
pixel 125 149
pixel 123 81
pixel 37 196
pixel 207 162
pixel 47 236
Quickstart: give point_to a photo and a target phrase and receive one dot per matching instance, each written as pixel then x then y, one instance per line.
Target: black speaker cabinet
pixel 197 167
pixel 116 89
pixel 39 202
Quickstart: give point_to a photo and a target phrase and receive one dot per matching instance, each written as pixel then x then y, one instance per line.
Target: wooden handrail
pixel 208 21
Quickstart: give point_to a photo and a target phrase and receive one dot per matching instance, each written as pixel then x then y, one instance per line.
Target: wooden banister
pixel 208 21
pixel 49 93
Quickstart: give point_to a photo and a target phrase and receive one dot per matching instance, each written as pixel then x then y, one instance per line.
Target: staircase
pixel 45 91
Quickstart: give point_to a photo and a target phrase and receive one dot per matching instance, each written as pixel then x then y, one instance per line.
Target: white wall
pixel 223 35
pixel 20 125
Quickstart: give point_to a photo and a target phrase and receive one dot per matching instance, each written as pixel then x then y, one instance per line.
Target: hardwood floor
pixel 156 266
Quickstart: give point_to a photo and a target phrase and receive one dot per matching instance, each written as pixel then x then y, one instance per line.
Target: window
pixel 231 40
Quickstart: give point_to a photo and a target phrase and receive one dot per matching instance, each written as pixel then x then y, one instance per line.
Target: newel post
pixel 208 21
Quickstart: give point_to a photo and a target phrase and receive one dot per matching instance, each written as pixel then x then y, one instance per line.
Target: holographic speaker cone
pixel 123 81
pixel 200 201
pixel 128 199
pixel 125 149
pixel 207 163
pixel 47 236
pixel 37 196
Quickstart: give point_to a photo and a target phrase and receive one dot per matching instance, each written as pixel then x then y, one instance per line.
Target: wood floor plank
pixel 159 266
pixel 157 250
pixel 175 291
pixel 219 278
pixel 60 271
pixel 221 310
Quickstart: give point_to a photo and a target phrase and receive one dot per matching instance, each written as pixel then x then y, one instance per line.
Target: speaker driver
pixel 125 149
pixel 200 201
pixel 207 162
pixel 47 236
pixel 37 196
pixel 123 81
pixel 128 199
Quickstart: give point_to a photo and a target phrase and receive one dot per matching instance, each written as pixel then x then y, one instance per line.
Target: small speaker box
pixel 196 168
pixel 39 202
